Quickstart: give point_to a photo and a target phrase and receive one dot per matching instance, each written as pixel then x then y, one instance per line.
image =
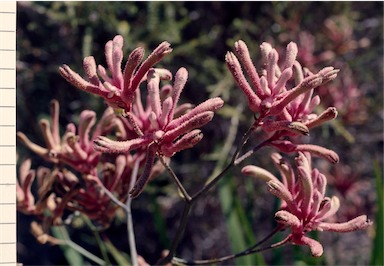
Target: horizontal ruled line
pixel 7 126
pixel 7 184
pixel 7 203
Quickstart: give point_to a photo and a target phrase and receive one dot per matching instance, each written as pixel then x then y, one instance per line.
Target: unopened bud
pixel 258 172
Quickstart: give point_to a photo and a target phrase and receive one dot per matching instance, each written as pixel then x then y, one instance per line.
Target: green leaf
pixel 239 229
pixel 120 257
pixel 73 256
pixel 159 223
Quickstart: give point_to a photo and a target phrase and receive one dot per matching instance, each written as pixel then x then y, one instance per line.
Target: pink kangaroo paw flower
pixel 258 172
pixel 358 223
pixel 327 115
pixel 288 219
pixel 235 68
pixel 195 122
pixel 315 247
pixel 244 57
pixel 104 144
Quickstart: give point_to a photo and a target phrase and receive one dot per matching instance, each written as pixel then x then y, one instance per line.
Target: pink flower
pixel 73 148
pixel 304 206
pixel 24 198
pixel 160 127
pixel 119 89
pixel 270 94
pixel 283 109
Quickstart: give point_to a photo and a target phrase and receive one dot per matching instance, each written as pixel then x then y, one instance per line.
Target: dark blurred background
pixel 346 35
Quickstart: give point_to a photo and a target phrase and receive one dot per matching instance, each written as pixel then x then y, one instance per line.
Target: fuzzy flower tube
pixel 282 96
pixel 162 127
pixel 119 89
pixel 304 206
pixel 75 147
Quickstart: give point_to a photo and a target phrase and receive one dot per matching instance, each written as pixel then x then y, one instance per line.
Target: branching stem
pixel 248 251
pixel 127 208
pixel 190 200
pixel 180 186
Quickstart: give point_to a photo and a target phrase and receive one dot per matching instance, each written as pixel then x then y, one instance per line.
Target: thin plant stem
pixel 85 252
pixel 228 144
pixel 248 251
pixel 214 181
pixel 274 232
pixel 100 243
pixel 130 231
pixel 113 198
pixel 175 179
pixel 190 200
pixel 179 234
pixel 250 152
pixel 127 208
pixel 67 241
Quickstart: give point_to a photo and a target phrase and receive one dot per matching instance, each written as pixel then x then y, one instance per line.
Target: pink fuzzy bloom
pixel 24 198
pixel 281 93
pixel 73 148
pixel 119 89
pixel 162 127
pixel 304 206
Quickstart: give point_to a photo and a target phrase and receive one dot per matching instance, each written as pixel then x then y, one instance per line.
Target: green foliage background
pixel 52 33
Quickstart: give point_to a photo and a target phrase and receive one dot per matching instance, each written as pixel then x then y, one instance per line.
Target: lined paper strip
pixel 8 237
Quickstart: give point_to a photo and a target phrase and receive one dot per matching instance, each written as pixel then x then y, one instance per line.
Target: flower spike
pixel 119 89
pixel 304 207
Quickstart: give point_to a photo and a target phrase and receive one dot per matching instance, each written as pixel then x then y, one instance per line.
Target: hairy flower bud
pixel 258 172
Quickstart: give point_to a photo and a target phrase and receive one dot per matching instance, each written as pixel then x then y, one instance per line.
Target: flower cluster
pixel 99 165
pixel 283 110
pixel 161 127
pixel 118 90
pixel 79 173
pixel 74 148
pixel 304 206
